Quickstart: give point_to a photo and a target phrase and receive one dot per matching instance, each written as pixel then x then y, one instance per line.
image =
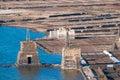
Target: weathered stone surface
pixel 71 58
pixel 28 54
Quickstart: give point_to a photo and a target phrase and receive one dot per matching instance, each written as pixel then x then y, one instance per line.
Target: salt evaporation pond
pixel 9 46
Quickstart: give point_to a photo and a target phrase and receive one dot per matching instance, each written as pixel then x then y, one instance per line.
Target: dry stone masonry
pixel 71 57
pixel 28 54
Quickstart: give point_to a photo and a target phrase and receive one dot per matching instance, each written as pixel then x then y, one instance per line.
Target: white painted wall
pixel 53 34
pixel 61 34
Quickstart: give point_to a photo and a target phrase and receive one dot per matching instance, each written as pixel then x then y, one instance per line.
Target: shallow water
pixel 9 46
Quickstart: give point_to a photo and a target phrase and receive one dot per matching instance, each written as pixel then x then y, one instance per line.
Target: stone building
pixel 70 54
pixel 28 54
pixel 71 57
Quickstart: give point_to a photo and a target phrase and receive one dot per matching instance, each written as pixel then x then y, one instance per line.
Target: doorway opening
pixel 29 60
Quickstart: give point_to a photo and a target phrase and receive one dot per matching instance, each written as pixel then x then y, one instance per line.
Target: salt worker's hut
pixel 70 54
pixel 28 54
pixel 71 57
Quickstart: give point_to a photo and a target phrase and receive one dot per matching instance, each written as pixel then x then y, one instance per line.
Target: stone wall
pixel 28 54
pixel 71 58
